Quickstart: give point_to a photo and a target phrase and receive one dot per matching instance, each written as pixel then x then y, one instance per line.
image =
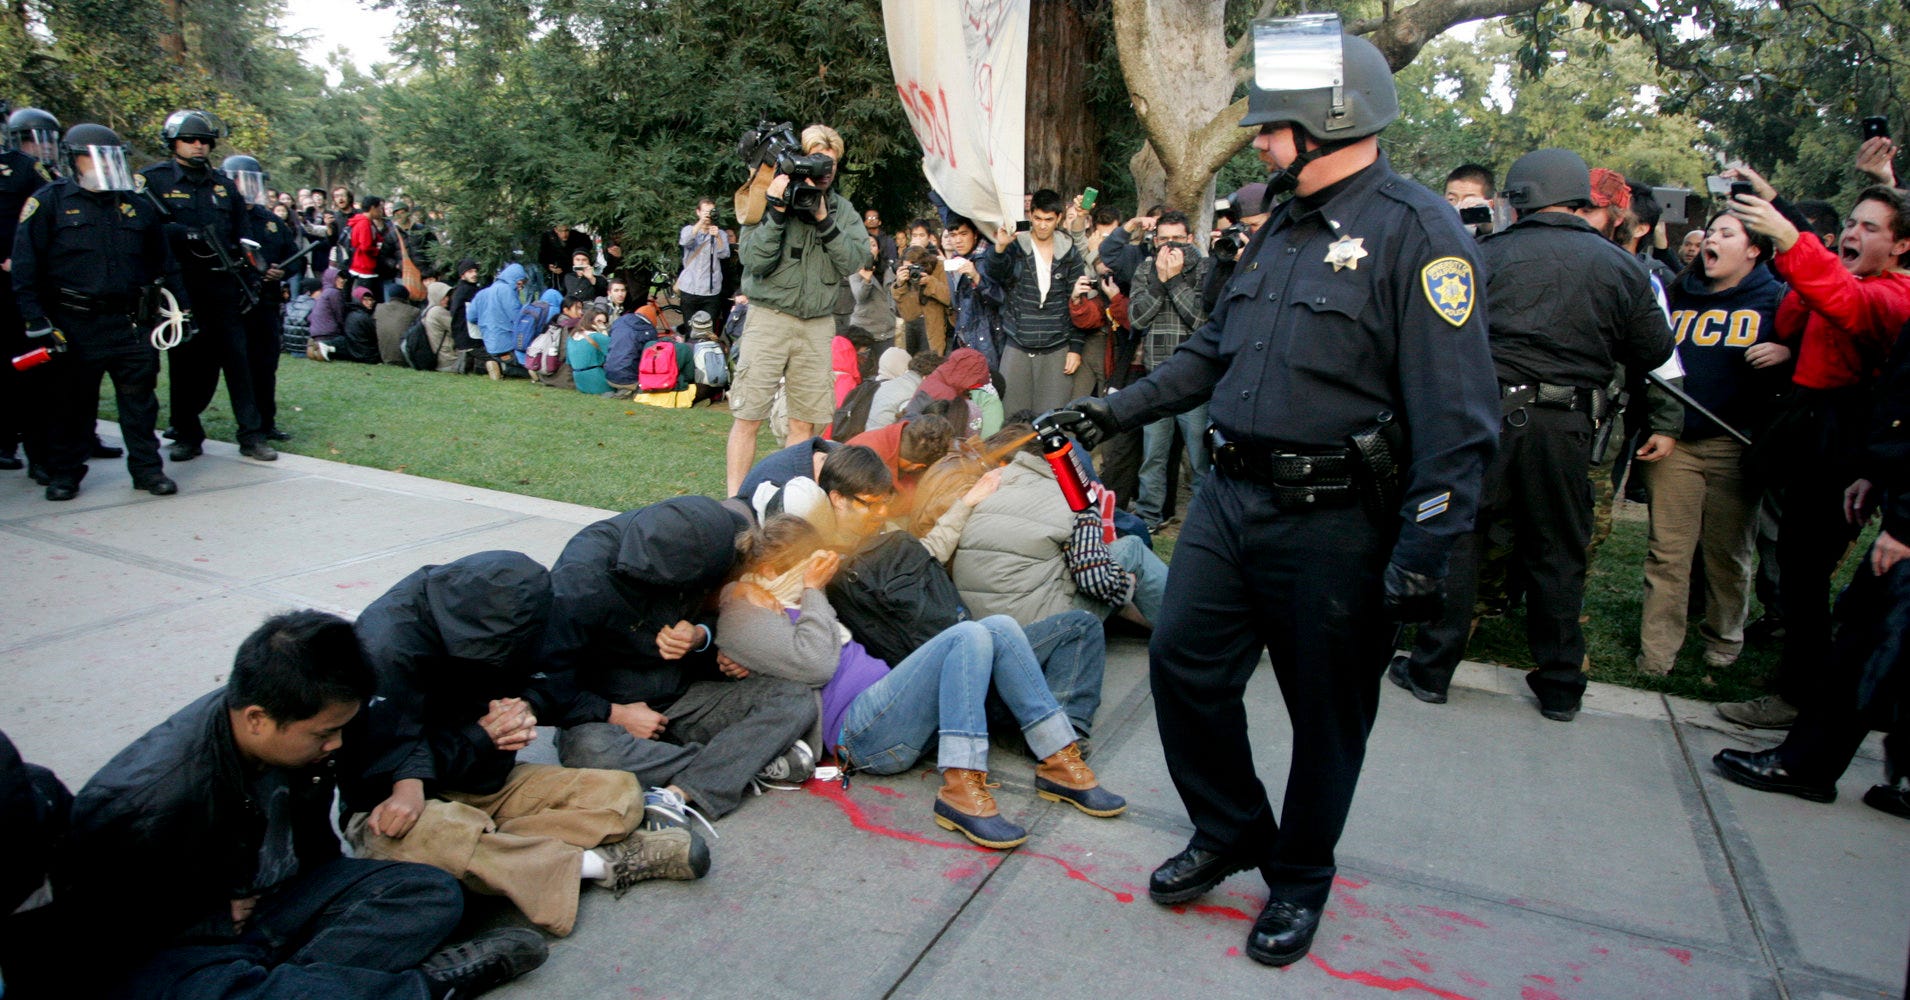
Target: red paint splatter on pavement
pixel 962 873
pixel 354 583
pixel 1471 980
pixel 893 793
pixel 1683 956
pixel 1388 983
pixel 1534 993
pixel 1547 980
pixel 1233 953
pixel 1212 910
pixel 1457 918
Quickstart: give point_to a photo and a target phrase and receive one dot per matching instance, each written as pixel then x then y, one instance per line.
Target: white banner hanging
pixel 961 71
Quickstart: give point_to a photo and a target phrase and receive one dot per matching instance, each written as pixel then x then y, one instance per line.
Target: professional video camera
pixel 1228 244
pixel 767 143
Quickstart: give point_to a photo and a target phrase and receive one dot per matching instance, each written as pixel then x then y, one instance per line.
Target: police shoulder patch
pixel 139 182
pixel 271 227
pixel 45 172
pixel 26 211
pixel 1450 286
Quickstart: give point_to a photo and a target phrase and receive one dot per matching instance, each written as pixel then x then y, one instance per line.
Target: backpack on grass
pixel 712 369
pixel 657 371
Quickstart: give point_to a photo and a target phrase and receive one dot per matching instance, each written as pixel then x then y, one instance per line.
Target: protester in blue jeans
pixel 777 619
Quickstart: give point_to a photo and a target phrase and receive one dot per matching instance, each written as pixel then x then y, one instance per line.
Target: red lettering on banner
pixel 928 116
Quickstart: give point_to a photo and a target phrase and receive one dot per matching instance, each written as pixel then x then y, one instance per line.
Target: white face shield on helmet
pixel 42 144
pixel 103 168
pixel 251 185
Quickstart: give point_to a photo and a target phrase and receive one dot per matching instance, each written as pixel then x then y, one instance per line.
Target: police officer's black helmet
pixel 1369 101
pixel 31 120
pixel 191 124
pixel 241 163
pixel 1548 177
pixel 79 137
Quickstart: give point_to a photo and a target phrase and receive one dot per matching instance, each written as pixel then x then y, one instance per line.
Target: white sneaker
pixel 794 766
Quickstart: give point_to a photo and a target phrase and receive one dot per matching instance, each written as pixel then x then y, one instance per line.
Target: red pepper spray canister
pixel 33 359
pixel 1064 457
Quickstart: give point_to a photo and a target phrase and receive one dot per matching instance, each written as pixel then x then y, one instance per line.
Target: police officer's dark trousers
pixel 1538 496
pixel 101 344
pixel 1304 588
pixel 23 400
pixel 264 342
pixel 220 347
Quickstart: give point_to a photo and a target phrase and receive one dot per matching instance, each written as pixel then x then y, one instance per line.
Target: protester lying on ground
pixel 881 719
pixel 1024 554
pixel 893 395
pixel 628 622
pixel 225 812
pixel 429 770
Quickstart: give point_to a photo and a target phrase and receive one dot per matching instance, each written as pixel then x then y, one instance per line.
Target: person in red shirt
pixel 1845 310
pixel 908 448
pixel 368 241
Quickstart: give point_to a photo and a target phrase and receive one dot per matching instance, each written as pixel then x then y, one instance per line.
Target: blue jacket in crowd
pixel 495 308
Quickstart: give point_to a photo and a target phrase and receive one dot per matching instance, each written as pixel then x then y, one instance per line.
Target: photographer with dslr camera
pixel 795 259
pixel 1248 207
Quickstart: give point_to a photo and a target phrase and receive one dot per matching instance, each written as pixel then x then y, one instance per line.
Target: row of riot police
pixel 109 269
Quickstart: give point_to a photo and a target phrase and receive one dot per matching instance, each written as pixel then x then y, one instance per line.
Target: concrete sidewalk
pixel 1491 853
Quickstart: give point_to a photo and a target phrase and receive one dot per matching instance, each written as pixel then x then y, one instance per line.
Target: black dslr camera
pixel 777 144
pixel 1228 244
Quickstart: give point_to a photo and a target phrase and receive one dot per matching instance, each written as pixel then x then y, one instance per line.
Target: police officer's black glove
pixel 1413 598
pixel 1095 424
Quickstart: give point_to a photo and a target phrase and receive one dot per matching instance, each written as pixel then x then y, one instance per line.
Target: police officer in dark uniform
pixel 1353 414
pixel 26 165
pixel 264 328
pixel 86 250
pixel 1565 306
pixel 204 216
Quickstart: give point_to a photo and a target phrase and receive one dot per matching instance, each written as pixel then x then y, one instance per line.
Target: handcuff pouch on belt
pixel 1298 480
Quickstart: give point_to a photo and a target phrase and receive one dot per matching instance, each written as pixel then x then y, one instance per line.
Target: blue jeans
pixel 1157 441
pixel 1072 649
pixel 1150 574
pixel 941 690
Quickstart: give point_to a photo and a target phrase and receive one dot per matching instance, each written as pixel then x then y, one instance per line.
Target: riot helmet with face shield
pixel 248 176
pixel 35 133
pixel 94 156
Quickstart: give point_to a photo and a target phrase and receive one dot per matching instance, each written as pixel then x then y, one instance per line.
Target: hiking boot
pixel 182 451
pixel 1768 712
pixel 1192 873
pixel 485 962
pixel 1065 777
pixel 965 806
pixel 672 853
pixel 259 451
pixel 794 766
pixel 493 369
pixel 1283 933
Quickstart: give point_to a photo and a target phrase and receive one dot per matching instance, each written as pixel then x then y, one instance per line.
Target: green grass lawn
pixel 563 445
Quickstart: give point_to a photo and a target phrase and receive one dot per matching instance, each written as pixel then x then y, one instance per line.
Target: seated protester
pixel 1024 554
pixel 463 324
pixel 922 299
pixel 804 458
pixel 495 310
pixel 429 771
pixel 681 353
pixel 777 619
pixel 583 280
pixel 846 365
pixel 852 415
pixel 629 335
pixel 438 330
pixel 391 318
pixel 588 345
pixel 712 375
pixel 358 339
pixel 1724 316
pixel 327 319
pixel 908 448
pixel 34 810
pixel 893 395
pixel 551 366
pixel 965 370
pixel 628 620
pixel 225 812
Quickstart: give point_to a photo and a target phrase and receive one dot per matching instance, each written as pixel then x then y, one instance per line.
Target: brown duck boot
pixel 1065 777
pixel 965 806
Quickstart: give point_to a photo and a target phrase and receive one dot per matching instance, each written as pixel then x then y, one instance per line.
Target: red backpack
pixel 656 371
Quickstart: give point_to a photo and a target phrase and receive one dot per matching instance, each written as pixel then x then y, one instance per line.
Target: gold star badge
pixel 1346 252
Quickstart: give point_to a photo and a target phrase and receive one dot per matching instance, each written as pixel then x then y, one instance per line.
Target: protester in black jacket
pixel 34 806
pixel 430 770
pixel 223 810
pixel 632 618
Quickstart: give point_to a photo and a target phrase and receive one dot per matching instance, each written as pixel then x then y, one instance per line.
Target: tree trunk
pixel 1180 76
pixel 1063 140
pixel 172 40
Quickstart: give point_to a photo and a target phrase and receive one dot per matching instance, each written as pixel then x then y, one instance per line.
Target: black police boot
pixel 1552 705
pixel 38 474
pixel 62 491
pixel 259 451
pixel 278 435
pixel 159 486
pixel 1283 934
pixel 1766 772
pixel 1893 798
pixel 1400 672
pixel 10 462
pixel 485 962
pixel 184 452
pixel 1190 874
pixel 106 451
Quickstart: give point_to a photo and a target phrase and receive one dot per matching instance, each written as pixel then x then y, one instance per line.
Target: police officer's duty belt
pixel 1553 397
pixel 1298 480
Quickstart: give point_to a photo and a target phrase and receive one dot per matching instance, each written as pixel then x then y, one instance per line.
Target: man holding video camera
pixel 795 259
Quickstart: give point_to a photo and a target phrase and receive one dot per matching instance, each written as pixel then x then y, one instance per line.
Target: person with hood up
pixel 1724 316
pixel 439 329
pixel 631 622
pixel 846 365
pixel 494 310
pixel 964 371
pixel 901 375
pixel 429 770
pixel 327 319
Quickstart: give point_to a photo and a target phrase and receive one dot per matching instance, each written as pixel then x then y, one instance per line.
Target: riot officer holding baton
pixel 276 243
pixel 85 254
pixel 1353 414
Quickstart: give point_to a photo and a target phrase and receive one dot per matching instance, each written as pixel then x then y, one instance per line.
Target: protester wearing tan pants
pixel 524 842
pixel 1699 502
